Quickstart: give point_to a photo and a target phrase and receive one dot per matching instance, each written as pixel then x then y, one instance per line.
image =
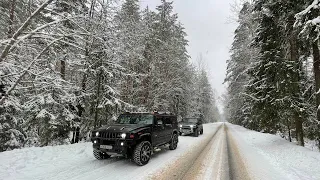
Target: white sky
pixel 210 33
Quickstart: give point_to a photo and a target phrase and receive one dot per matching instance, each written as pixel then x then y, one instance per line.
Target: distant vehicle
pixel 191 126
pixel 135 136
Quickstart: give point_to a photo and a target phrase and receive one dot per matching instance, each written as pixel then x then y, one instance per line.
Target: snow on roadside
pixel 271 157
pixel 311 144
pixel 77 162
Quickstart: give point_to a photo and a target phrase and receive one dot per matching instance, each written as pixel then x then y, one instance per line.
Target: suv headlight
pixel 191 126
pixel 97 133
pixel 180 125
pixel 123 135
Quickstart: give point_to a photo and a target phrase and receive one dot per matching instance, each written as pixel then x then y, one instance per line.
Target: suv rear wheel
pixel 99 155
pixel 174 142
pixel 142 153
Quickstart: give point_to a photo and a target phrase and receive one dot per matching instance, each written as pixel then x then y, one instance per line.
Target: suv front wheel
pixel 142 153
pixel 196 132
pixel 174 142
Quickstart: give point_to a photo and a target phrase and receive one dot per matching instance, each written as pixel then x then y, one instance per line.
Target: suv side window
pixel 167 120
pixel 173 120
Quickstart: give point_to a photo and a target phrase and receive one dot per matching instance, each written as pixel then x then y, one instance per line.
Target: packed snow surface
pixel 268 156
pixel 261 156
pixel 77 162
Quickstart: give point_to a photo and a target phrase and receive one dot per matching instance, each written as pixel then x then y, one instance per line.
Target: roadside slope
pixel 269 157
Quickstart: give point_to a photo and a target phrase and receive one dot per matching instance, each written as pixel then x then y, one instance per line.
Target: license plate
pixel 105 147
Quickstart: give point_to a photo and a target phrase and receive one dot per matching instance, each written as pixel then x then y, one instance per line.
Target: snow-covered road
pixel 218 158
pixel 225 151
pixel 77 162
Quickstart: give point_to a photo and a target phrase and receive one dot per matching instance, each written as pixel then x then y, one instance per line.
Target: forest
pixel 69 64
pixel 273 75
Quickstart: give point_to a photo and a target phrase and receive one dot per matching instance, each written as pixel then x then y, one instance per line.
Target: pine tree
pixel 307 24
pixel 167 59
pixel 243 55
pixel 129 26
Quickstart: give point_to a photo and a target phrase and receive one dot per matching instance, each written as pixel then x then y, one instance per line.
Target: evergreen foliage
pixel 271 85
pixel 68 64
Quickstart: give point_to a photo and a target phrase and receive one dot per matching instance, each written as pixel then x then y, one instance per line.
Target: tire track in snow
pixel 217 158
pixel 207 164
pixel 237 168
pixel 180 168
pixel 223 167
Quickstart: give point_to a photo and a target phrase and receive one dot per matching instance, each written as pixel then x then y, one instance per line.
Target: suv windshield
pixel 135 119
pixel 190 120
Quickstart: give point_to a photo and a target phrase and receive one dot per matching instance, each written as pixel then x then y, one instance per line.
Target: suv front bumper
pixel 112 147
pixel 186 130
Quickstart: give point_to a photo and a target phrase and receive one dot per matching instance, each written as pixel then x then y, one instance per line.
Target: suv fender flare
pixel 145 135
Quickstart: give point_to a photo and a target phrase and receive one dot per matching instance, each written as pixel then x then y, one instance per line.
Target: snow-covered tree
pixel 268 86
pixel 131 42
pixel 308 25
pixel 243 55
pixel 69 64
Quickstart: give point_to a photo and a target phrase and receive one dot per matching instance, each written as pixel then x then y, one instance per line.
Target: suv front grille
pixel 186 127
pixel 110 135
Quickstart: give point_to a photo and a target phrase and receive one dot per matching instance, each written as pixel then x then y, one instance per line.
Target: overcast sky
pixel 210 33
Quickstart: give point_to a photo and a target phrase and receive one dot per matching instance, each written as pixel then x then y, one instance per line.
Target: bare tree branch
pixel 21 29
pixel 25 71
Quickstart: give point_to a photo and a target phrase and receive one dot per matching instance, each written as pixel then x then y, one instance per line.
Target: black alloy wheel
pixel 142 153
pixel 174 142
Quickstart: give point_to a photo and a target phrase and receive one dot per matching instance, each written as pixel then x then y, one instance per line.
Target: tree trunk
pixel 12 9
pixel 97 101
pixel 63 69
pixel 316 71
pixel 296 87
pixel 289 130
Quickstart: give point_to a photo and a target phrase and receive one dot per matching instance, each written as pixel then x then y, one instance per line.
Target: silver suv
pixel 191 125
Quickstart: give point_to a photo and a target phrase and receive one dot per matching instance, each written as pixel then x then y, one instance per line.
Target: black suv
pixel 191 126
pixel 135 135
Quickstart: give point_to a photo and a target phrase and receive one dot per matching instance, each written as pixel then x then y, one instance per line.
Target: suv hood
pixel 122 127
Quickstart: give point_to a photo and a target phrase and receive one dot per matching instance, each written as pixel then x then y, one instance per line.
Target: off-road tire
pixel 180 133
pixel 201 132
pixel 196 132
pixel 174 142
pixel 99 155
pixel 142 153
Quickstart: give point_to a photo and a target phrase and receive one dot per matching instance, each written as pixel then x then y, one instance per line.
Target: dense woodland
pixel 79 63
pixel 273 75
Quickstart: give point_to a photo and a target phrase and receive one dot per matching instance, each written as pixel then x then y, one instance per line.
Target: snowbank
pixel 271 157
